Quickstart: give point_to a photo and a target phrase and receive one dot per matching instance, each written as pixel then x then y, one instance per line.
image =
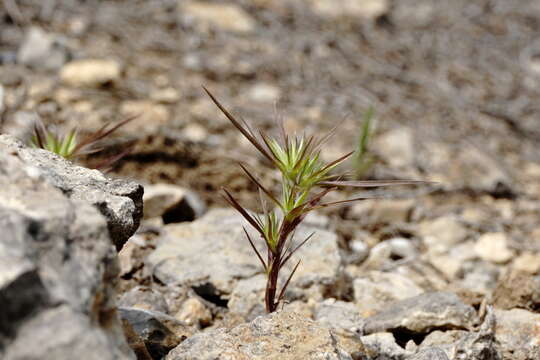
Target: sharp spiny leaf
pixel 375 183
pixel 231 200
pixel 259 185
pixel 247 134
pixel 282 292
pixel 291 252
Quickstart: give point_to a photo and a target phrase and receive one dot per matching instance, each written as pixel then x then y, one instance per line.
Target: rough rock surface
pixel 430 354
pixel 383 345
pixel 172 203
pixel 120 201
pixel 517 290
pixel 373 292
pixel 423 313
pixel 159 332
pixel 213 250
pixel 518 333
pixel 58 269
pixel 478 344
pixel 282 335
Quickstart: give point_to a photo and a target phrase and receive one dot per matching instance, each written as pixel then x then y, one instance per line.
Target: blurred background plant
pixel 69 146
pixel 363 159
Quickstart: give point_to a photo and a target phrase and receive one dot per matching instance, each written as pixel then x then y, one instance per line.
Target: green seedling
pixel 305 180
pixel 70 147
pixel 363 159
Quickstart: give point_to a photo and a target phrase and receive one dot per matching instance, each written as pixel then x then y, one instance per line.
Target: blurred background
pixel 454 88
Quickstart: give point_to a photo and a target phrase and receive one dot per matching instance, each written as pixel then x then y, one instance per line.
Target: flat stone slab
pixel 422 313
pixel 214 250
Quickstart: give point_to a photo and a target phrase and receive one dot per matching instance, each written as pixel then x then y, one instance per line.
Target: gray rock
pixel 62 333
pixel 246 298
pixel 374 291
pixel 225 16
pixel 383 346
pixel 383 211
pixel 282 335
pixel 429 354
pixel 264 93
pixel 466 167
pixel 144 298
pixel 494 247
pixel 477 276
pixel 477 345
pixel 213 250
pixel 2 95
pixel 159 332
pixel 368 9
pixel 172 203
pixel 194 312
pixel 517 333
pixel 423 313
pixel 120 201
pixel 338 315
pixel 90 72
pixel 442 233
pixel 42 50
pixel 517 289
pixel 58 271
pixel 397 147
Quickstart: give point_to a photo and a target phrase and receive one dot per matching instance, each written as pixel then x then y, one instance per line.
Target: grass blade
pixel 101 134
pixel 247 134
pixel 291 252
pixel 255 249
pixel 282 292
pixel 320 206
pixel 268 193
pixel 334 163
pixel 242 211
pixel 375 183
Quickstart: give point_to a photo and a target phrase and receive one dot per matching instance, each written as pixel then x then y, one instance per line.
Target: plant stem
pixel 271 286
pixel 274 261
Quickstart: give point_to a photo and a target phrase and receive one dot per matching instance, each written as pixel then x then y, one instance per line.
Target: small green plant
pixel 69 146
pixel 302 171
pixel 362 159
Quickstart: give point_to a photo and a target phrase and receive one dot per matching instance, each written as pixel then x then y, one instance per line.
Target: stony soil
pixel 453 85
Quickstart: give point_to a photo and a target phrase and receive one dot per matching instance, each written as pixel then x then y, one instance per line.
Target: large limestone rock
pixel 120 201
pixel 517 333
pixel 282 335
pixel 58 267
pixel 423 313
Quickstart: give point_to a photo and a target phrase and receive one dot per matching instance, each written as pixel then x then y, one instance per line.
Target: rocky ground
pixel 445 271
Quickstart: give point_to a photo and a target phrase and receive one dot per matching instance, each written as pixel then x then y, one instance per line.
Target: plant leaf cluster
pixel 69 146
pixel 305 180
pixel 363 159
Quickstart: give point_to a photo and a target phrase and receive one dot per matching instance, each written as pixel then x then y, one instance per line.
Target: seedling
pixel 68 145
pixel 298 159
